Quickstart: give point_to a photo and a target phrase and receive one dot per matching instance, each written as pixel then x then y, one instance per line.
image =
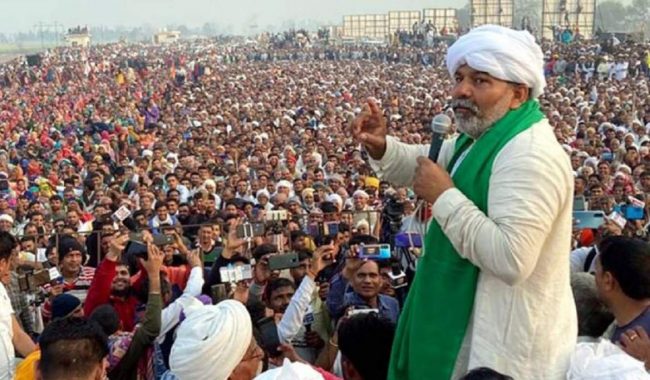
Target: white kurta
pixel 524 321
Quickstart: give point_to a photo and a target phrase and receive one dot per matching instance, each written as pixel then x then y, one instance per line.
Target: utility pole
pixel 42 28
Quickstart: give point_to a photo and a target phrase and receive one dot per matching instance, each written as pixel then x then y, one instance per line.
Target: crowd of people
pixel 202 211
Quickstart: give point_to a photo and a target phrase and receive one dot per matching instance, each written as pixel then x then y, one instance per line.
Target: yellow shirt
pixel 26 369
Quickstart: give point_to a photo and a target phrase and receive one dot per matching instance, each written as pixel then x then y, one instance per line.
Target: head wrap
pixel 209 183
pixel 283 183
pixel 212 340
pixel 506 54
pixel 336 199
pixel 360 193
pixel 372 182
pixel 307 191
pixel 291 371
pixel 603 360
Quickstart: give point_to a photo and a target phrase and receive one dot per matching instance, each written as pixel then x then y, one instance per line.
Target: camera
pixel 32 281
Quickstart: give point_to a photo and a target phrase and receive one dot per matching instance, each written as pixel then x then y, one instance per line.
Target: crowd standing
pixel 221 160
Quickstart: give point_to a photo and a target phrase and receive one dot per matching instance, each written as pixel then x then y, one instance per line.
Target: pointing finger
pixel 374 108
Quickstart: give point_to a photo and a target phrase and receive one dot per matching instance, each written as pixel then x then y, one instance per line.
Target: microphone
pixel 440 125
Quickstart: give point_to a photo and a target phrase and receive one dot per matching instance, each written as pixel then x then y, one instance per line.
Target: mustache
pixel 464 103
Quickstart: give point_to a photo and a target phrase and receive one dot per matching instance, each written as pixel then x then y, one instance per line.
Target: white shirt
pixel 524 320
pixel 6 336
pixel 170 315
pixel 291 325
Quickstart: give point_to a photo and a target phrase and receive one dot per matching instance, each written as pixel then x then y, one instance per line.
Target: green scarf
pixel 439 305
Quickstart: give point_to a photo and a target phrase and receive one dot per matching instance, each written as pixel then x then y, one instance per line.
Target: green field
pixel 22 48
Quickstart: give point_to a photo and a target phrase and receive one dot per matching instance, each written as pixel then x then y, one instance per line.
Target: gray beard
pixel 476 124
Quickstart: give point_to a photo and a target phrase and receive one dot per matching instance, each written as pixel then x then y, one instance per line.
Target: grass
pixel 24 47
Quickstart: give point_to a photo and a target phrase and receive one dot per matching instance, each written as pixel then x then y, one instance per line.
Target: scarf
pixel 439 305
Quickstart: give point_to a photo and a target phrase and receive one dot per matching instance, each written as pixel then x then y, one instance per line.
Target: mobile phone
pixel 269 336
pixel 284 261
pixel 162 240
pixel 317 230
pixel 579 203
pixel 313 230
pixel 236 273
pixel 275 215
pixel 374 251
pixel 330 228
pixel 632 213
pixel 588 219
pixel 136 236
pixel 41 255
pixel 218 293
pixel 250 230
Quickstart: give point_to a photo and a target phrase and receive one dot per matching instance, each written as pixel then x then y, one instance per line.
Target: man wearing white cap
pixel 492 289
pixel 6 223
pixel 215 342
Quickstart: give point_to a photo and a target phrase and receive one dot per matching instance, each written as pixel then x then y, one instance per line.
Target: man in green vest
pixel 492 288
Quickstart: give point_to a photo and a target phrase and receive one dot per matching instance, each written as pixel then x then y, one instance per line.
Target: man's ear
pixel 349 372
pixel 520 95
pixel 609 281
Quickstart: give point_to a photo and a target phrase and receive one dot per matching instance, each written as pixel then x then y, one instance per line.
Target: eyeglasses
pixel 255 354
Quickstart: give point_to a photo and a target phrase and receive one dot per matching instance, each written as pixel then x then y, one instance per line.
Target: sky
pixel 23 15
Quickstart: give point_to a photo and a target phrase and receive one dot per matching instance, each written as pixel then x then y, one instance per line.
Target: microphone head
pixel 441 123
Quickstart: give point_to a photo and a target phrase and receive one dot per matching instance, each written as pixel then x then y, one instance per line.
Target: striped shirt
pixel 78 288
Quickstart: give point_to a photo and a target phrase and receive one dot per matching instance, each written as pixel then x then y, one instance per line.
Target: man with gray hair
pixel 593 315
pixel 493 286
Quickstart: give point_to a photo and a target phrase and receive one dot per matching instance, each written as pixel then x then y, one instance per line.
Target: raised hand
pixel 370 129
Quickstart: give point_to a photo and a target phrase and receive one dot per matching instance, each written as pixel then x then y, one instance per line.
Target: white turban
pixel 212 340
pixel 604 360
pixel 283 183
pixel 263 193
pixel 336 199
pixel 506 54
pixel 291 371
pixel 360 193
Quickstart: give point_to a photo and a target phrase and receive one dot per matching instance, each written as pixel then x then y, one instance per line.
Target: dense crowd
pixel 201 210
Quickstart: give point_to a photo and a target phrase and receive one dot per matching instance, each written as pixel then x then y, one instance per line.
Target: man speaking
pixel 492 288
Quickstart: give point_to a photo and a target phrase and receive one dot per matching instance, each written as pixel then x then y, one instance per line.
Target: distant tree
pixel 639 15
pixel 464 16
pixel 531 9
pixel 611 15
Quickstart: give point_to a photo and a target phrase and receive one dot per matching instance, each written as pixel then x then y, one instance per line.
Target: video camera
pixel 33 281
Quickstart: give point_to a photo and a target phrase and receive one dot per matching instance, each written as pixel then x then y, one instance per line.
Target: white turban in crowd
pixel 604 360
pixel 211 341
pixel 291 371
pixel 506 54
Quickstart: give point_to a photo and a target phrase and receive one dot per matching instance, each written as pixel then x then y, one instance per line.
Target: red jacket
pixel 100 294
